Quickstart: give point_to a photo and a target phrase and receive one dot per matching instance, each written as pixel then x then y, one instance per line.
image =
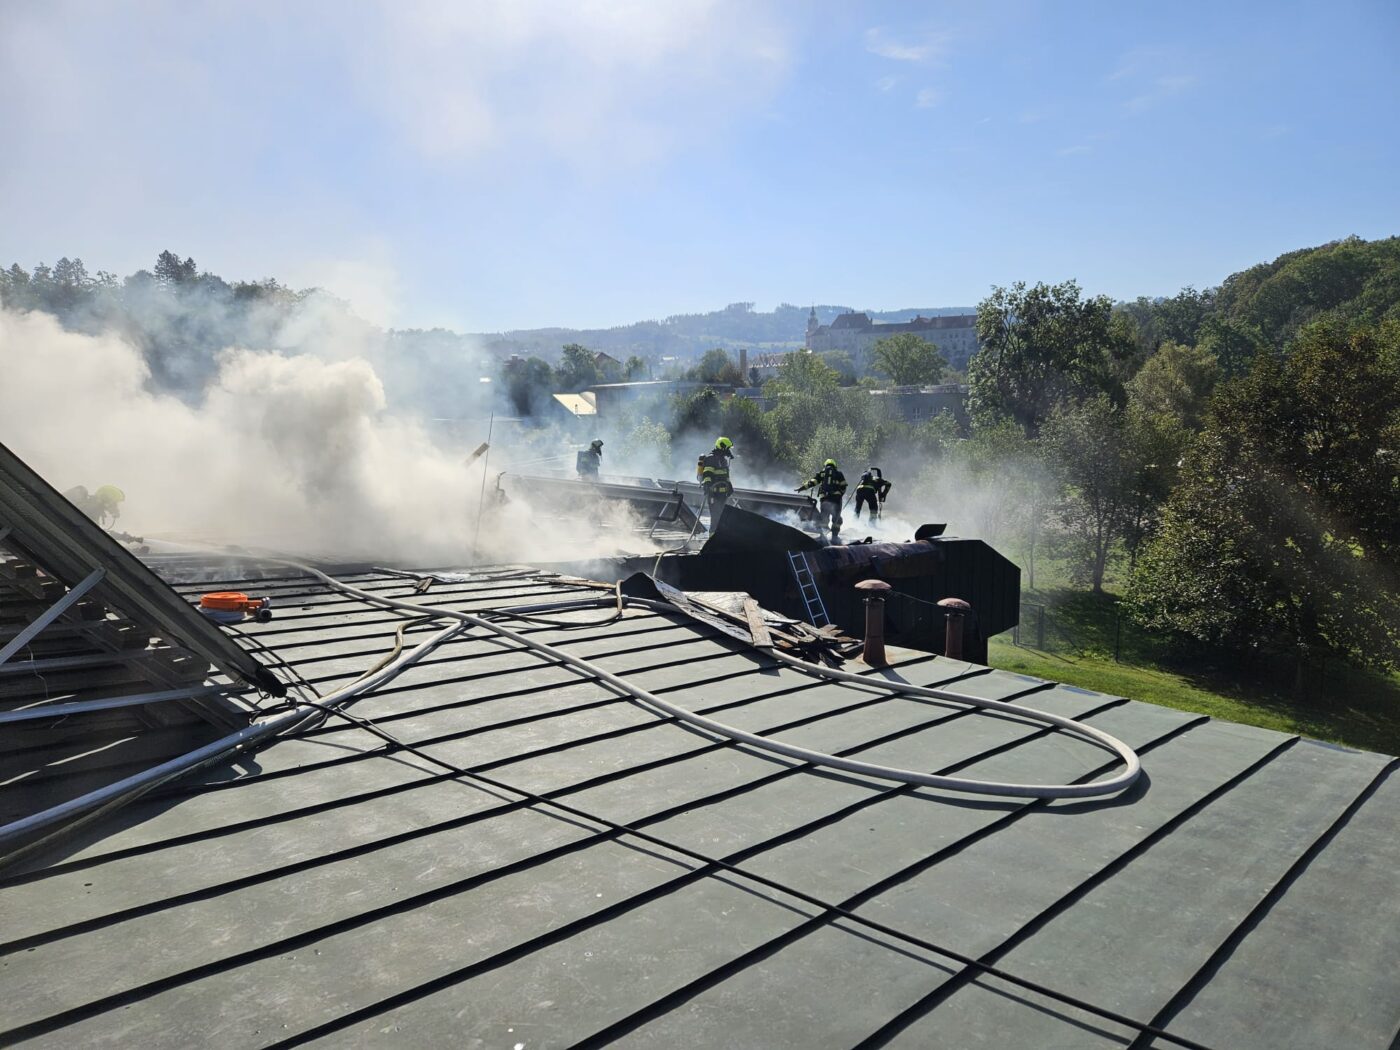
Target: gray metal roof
pixel 1244 894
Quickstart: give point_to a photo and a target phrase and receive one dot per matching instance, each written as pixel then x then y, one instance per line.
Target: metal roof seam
pixel 940 994
pixel 1222 953
pixel 272 874
pixel 709 866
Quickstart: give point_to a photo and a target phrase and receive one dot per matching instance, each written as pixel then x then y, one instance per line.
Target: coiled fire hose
pixel 1132 767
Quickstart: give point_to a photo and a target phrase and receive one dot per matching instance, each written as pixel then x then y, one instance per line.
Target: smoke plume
pixel 288 450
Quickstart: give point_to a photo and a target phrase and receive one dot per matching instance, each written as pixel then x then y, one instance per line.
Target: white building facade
pixel 955 335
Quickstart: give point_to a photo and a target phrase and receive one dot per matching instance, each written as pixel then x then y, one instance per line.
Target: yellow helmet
pixel 829 463
pixel 724 443
pixel 110 494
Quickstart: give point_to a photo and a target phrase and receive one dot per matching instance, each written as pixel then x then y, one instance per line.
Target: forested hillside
pixel 1224 459
pixel 689 335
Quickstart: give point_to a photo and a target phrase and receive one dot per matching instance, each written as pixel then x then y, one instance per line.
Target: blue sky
pixel 491 166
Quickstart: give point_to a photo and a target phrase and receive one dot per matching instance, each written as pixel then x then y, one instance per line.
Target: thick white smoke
pixel 293 452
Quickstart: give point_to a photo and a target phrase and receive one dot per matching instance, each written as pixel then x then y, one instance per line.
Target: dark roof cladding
pixel 1242 894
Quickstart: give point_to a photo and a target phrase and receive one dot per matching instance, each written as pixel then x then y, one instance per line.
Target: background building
pixel 608 398
pixel 919 404
pixel 856 333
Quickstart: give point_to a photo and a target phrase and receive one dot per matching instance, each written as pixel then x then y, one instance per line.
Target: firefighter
pixel 712 471
pixel 830 485
pixel 882 488
pixel 590 460
pixel 867 493
pixel 103 506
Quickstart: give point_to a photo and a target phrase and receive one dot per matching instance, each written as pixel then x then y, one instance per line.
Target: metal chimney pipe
pixel 955 610
pixel 874 591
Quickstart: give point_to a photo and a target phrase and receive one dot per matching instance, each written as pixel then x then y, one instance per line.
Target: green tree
pixel 171 272
pixel 1174 320
pixel 700 411
pixel 14 288
pixel 716 366
pixel 528 384
pixel 851 448
pixel 647 446
pixel 1043 347
pixel 1281 534
pixel 932 438
pixel 635 369
pixel 808 396
pixel 804 373
pixel 909 360
pixel 1085 445
pixel 745 424
pixel 993 482
pixel 577 369
pixel 1234 344
pixel 1153 444
pixel 1177 382
pixel 840 362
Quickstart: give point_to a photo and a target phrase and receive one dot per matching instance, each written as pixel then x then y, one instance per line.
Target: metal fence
pixel 1030 626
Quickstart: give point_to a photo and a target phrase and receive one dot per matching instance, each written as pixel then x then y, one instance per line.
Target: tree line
pixel 178 317
pixel 1237 450
pixel 1231 455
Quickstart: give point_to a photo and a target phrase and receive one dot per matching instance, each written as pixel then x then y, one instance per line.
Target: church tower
pixel 812 325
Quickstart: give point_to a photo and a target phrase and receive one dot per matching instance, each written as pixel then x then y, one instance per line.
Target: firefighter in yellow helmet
pixel 712 471
pixel 830 485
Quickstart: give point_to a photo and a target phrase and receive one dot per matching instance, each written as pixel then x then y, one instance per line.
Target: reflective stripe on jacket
pixel 830 484
pixel 712 471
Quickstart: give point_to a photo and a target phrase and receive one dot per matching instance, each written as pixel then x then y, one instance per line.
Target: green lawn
pixel 1349 706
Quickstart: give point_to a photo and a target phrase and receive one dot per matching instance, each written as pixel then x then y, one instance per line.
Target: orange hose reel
pixel 236 603
pixel 231 601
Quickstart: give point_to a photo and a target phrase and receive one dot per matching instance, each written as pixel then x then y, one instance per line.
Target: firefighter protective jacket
pixel 712 471
pixel 830 484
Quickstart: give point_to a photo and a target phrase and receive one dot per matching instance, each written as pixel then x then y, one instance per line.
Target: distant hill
pixel 1263 307
pixel 1351 279
pixel 690 335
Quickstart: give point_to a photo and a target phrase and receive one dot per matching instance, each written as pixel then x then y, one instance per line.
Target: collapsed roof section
pixel 47 532
pixel 101 664
pixel 769 560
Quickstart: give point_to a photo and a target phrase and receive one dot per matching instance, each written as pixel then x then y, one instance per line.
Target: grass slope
pixel 1345 706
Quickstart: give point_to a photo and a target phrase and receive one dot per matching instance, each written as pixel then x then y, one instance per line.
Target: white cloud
pixel 928 98
pixel 931 47
pixel 592 81
pixel 886 83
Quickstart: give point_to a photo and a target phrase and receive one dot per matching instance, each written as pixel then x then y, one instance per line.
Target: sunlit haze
pixel 494 166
